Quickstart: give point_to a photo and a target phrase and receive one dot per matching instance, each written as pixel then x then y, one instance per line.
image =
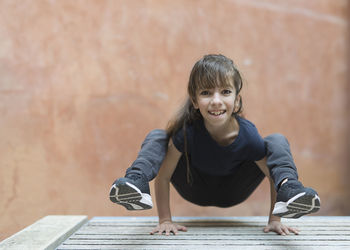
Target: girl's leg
pixel 133 191
pixel 151 155
pixel 279 159
pixel 293 199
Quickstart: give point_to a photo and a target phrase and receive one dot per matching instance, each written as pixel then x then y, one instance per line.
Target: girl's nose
pixel 216 100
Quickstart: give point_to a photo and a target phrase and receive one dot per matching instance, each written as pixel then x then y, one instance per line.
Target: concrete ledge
pixel 46 233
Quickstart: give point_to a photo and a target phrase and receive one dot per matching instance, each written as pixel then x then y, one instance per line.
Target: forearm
pixel 273 201
pixel 162 199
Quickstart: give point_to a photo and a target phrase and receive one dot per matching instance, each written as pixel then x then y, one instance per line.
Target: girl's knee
pixel 276 138
pixel 157 133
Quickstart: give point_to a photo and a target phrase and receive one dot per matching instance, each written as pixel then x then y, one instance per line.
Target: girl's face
pixel 216 105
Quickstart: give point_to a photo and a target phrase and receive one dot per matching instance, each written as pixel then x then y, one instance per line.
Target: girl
pixel 213 156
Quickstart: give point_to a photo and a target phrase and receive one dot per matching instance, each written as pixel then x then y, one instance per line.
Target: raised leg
pixel 279 159
pixel 293 200
pixel 133 190
pixel 151 155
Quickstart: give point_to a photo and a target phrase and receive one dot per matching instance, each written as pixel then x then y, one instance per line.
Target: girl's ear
pixel 194 103
pixel 236 104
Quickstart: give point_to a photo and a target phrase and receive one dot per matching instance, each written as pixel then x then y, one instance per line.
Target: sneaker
pixel 294 200
pixel 132 192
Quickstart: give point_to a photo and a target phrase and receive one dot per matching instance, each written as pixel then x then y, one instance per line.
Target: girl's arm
pixel 274 224
pixel 273 196
pixel 162 192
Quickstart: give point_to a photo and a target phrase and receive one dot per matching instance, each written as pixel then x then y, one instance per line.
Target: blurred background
pixel 83 82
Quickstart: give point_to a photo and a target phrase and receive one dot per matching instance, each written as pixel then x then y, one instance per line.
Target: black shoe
pixel 294 200
pixel 132 192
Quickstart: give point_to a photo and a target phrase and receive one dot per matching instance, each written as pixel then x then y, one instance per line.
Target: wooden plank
pixel 214 230
pixel 222 228
pixel 188 247
pixel 185 236
pixel 225 221
pixel 245 219
pixel 227 232
pixel 200 231
pixel 47 233
pixel 202 242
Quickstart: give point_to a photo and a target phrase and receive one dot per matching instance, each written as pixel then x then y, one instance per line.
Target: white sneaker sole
pixel 299 205
pixel 129 196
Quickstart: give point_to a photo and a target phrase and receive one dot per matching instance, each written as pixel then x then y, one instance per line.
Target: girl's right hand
pixel 168 227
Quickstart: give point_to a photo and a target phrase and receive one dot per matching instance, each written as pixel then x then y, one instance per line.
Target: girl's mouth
pixel 217 113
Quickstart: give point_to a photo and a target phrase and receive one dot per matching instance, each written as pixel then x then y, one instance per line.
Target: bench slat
pixel 47 233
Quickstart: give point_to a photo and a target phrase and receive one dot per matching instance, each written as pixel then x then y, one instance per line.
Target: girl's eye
pixel 204 92
pixel 226 91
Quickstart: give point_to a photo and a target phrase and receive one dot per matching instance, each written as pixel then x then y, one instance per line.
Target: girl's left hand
pixel 279 228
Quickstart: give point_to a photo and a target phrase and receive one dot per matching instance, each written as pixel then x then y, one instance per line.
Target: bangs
pixel 214 76
pixel 213 71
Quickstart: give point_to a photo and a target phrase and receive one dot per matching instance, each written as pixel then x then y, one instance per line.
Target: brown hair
pixel 209 72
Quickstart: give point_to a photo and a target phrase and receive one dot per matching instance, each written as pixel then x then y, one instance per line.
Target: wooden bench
pixel 316 232
pixel 47 233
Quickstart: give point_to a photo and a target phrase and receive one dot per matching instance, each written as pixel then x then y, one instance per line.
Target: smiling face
pixel 216 105
pixel 213 88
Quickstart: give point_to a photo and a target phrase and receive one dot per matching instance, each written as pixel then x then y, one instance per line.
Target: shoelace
pixel 134 177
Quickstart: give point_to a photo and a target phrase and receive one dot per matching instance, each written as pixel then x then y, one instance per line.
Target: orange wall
pixel 82 82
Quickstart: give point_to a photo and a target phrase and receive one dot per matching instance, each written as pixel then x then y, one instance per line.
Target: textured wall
pixel 82 82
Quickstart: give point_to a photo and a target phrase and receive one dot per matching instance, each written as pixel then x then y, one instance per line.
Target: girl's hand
pixel 279 228
pixel 168 227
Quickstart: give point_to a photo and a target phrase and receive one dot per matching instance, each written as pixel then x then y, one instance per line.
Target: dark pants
pixel 208 190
